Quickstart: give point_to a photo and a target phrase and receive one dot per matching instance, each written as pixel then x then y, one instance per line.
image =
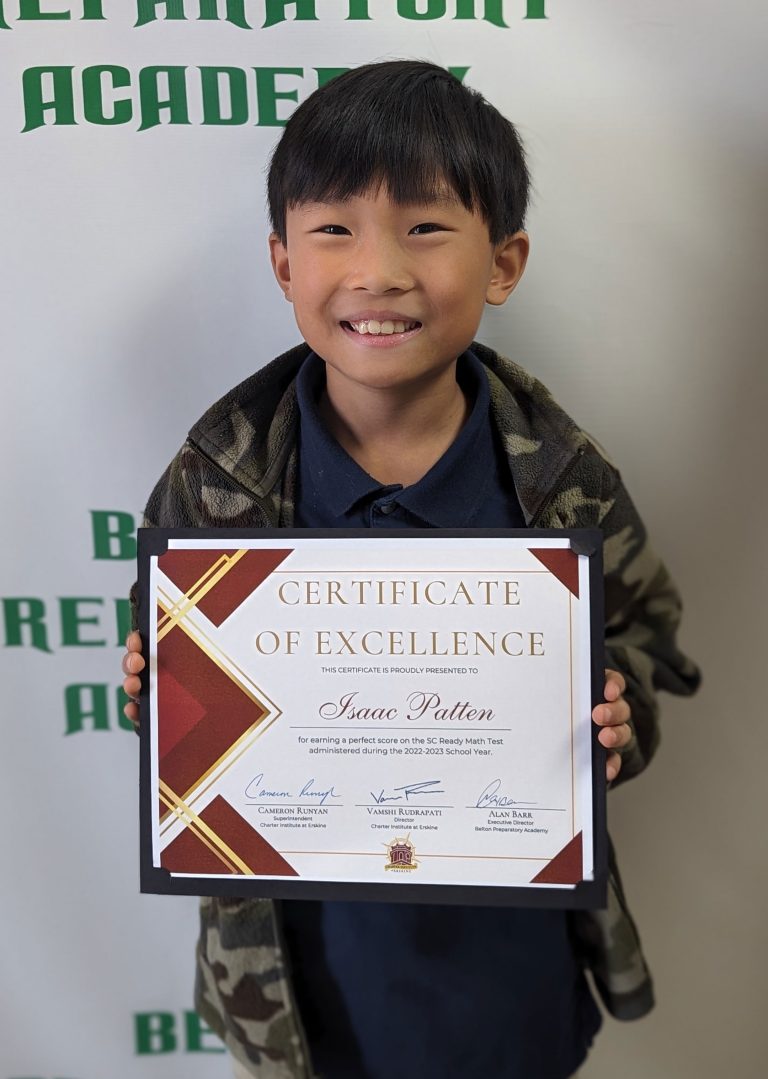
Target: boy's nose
pixel 380 266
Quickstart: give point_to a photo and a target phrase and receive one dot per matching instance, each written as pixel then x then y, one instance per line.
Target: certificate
pixel 382 716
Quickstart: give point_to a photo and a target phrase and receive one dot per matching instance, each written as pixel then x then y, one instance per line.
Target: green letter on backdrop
pixel 72 619
pixel 30 9
pixel 62 104
pixel 237 92
pixel 209 9
pixel 87 701
pixel 122 619
pixel 151 103
pixel 493 11
pixel 147 10
pixel 197 1032
pixel 358 9
pixel 155 1032
pixel 93 110
pixel 268 95
pixel 29 613
pixel 435 9
pixel 305 11
pixel 114 533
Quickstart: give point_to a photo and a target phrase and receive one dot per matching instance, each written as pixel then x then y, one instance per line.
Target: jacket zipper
pixel 268 522
pixel 288 976
pixel 556 486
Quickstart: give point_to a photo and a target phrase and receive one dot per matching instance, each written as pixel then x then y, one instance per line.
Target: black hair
pixel 407 125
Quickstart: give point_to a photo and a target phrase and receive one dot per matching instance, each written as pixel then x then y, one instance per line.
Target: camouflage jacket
pixel 238 469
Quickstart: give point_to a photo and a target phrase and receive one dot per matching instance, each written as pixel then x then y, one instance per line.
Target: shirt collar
pixel 328 466
pixel 458 481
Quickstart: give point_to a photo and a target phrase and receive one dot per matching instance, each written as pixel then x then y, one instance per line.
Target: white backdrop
pixel 136 289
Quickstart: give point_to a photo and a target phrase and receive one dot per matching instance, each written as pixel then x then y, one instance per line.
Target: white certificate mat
pixel 391 716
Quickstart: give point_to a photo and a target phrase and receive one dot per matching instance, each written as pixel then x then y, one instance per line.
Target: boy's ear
pixel 509 259
pixel 280 265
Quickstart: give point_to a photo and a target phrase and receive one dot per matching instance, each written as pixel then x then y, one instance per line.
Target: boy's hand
pixel 613 717
pixel 133 664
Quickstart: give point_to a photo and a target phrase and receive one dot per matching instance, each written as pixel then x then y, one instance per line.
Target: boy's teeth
pixel 388 326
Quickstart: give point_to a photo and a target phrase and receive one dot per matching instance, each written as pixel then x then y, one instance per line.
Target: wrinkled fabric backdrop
pixel 136 289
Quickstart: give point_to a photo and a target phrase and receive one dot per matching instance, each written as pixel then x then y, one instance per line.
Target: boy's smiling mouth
pixel 389 325
pixel 385 326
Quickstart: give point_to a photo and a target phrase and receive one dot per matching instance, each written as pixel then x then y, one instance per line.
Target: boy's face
pixel 421 272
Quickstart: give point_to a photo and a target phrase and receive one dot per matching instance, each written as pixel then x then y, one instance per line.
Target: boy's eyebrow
pixel 442 199
pixel 447 198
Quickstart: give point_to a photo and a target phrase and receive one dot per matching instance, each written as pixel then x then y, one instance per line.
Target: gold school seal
pixel 400 853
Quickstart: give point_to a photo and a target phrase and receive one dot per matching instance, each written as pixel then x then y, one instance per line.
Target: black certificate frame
pixel 584 895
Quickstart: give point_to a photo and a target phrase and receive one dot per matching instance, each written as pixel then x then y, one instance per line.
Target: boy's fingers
pixel 615 684
pixel 612 766
pixel 132 663
pixel 611 715
pixel 132 685
pixel 615 737
pixel 131 712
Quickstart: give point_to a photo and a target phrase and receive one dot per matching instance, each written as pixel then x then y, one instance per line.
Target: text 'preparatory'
pixel 113 94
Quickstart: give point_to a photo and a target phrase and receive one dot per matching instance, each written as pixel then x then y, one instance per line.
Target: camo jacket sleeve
pixel 175 502
pixel 242 985
pixel 642 604
pixel 193 493
pixel 642 612
pixel 642 616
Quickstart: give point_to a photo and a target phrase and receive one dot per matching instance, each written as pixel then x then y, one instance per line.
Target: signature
pixel 491 797
pixel 257 789
pixel 408 791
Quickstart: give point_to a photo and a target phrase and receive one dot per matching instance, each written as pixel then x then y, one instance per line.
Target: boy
pixel 397 199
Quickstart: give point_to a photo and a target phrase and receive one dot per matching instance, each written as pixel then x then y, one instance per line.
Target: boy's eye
pixel 425 228
pixel 333 230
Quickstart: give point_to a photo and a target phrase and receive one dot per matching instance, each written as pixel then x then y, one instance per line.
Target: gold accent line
pixel 356 853
pixel 197 822
pixel 221 561
pixel 182 609
pixel 200 632
pixel 474 857
pixel 261 702
pixel 420 569
pixel 200 791
pixel 573 765
pixel 197 636
pixel 177 814
pixel 494 857
pixel 259 728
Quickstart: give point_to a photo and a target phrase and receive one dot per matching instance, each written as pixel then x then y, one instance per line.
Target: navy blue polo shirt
pixel 469 487
pixel 409 991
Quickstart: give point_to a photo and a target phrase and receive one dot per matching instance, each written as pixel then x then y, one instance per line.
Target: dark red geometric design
pixel 562 563
pixel 185 568
pixel 223 711
pixel 565 868
pixel 188 853
pixel 183 707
